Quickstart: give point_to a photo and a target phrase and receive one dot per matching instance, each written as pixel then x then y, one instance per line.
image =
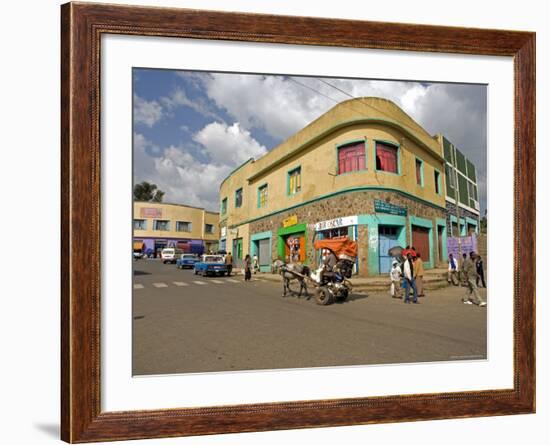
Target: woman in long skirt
pixel 247 268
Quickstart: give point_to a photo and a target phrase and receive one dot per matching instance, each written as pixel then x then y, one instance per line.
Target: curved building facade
pixel 364 169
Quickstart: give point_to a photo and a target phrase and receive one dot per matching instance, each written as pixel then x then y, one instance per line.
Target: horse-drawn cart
pixel 331 278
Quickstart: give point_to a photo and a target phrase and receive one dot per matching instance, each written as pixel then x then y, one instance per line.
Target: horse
pixel 290 272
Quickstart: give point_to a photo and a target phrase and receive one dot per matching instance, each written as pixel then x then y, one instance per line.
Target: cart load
pixel 342 247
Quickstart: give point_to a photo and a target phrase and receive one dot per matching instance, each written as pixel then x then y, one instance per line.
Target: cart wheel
pixel 343 295
pixel 323 296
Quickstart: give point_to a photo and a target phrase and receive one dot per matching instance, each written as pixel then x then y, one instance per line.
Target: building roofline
pixel 176 204
pixel 235 169
pixel 338 126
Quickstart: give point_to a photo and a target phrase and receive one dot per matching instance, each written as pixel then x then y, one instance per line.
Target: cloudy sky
pixel 191 129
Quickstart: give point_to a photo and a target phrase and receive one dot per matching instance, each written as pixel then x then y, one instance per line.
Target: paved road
pixel 184 323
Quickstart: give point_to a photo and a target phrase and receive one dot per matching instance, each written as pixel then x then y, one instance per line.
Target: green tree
pixel 148 192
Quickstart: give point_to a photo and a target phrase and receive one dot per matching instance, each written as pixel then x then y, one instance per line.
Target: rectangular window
pixel 262 196
pixel 161 224
pixel 419 173
pixel 450 176
pixel 295 181
pixel 140 224
pixel 238 198
pixel 224 206
pixel 351 157
pixel 386 157
pixel 183 226
pixel 437 184
pixel 209 228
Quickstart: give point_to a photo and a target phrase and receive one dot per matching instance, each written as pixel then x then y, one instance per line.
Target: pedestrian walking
pixel 247 268
pixel 395 277
pixel 255 264
pixel 480 271
pixel 461 274
pixel 229 263
pixel 418 269
pixel 408 277
pixel 470 273
pixel 452 271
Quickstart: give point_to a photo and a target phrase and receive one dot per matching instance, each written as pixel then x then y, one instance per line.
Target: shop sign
pixel 224 231
pixel 335 223
pixel 150 212
pixel 290 221
pixel 385 207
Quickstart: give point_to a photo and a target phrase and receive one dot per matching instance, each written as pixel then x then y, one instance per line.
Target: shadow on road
pixel 141 272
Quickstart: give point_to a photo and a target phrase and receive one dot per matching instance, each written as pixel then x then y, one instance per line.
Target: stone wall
pixel 346 204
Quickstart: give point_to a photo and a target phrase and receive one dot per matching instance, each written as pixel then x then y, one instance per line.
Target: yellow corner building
pixel 160 225
pixel 364 169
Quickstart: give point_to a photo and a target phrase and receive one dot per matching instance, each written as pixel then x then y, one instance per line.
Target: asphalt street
pixel 184 323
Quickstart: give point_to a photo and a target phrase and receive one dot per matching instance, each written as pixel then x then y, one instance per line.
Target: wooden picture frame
pixel 82 26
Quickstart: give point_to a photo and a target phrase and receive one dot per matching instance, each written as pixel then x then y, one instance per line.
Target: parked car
pixel 170 254
pixel 211 265
pixel 187 260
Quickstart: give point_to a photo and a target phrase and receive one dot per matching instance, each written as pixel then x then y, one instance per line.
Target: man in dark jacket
pixel 470 275
pixel 480 271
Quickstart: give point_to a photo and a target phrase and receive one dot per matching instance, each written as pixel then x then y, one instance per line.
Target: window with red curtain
pixel 351 157
pixel 386 157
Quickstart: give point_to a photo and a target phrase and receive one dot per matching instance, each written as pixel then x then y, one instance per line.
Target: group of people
pixel 470 273
pixel 408 275
pixel 455 273
pixel 250 264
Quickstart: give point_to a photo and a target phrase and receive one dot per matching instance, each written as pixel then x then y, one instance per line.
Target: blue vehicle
pixel 211 265
pixel 187 260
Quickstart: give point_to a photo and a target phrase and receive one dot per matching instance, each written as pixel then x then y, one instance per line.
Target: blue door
pixel 387 238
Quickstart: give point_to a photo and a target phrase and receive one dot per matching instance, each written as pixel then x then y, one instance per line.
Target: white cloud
pixel 228 145
pixel 185 179
pixel 179 98
pixel 145 112
pixel 272 103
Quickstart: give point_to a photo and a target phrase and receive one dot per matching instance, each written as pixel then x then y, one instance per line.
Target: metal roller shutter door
pixel 264 256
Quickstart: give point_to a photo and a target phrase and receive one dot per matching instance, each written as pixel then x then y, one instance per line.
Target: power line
pixel 366 104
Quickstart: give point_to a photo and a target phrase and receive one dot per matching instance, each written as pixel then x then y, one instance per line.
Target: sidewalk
pixel 433 279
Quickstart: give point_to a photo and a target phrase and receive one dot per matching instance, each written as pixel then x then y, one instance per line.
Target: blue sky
pixel 192 128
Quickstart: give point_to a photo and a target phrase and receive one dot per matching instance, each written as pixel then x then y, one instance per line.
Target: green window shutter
pixel 460 162
pixel 447 153
pixel 463 190
pixel 471 171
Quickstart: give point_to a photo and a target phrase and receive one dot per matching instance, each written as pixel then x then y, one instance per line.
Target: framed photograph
pixel 276 222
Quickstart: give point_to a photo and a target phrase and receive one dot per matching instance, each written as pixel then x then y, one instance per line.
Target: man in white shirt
pixel 452 271
pixel 408 274
pixel 395 277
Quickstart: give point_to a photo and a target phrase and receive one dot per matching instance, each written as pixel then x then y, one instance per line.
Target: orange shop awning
pixel 138 245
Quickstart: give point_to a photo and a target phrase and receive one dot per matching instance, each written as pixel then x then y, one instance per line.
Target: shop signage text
pixel 335 223
pixel 385 207
pixel 290 221
pixel 150 212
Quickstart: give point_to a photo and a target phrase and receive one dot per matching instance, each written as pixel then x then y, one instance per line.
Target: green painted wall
pixel 373 221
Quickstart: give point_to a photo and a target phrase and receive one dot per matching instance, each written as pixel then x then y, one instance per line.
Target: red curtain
pixel 386 158
pixel 351 158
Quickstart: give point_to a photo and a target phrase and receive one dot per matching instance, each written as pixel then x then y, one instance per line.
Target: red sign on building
pixel 150 212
